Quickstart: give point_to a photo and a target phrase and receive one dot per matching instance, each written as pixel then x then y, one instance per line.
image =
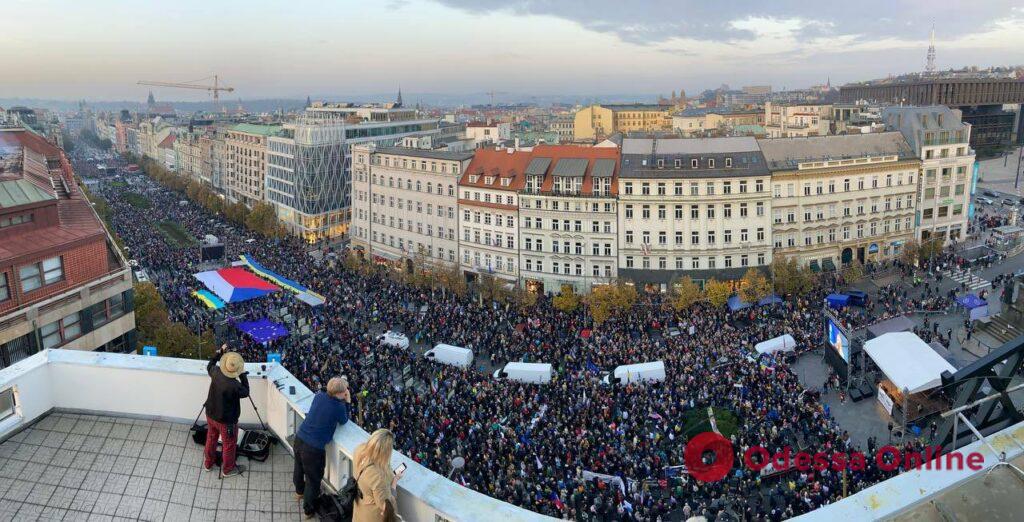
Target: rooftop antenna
pixel 930 67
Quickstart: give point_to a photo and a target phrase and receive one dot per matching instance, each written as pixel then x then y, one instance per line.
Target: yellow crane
pixel 216 88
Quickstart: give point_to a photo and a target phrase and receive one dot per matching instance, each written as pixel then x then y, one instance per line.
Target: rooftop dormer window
pixel 489 180
pixel 728 163
pixel 694 163
pixel 711 163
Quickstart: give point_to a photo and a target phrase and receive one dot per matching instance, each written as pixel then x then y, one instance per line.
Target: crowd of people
pixel 526 444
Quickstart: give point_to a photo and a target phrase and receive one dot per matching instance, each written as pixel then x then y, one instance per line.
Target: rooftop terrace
pixel 71 466
pixel 101 436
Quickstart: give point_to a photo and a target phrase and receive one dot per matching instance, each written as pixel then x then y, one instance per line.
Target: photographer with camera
pixel 328 411
pixel 228 386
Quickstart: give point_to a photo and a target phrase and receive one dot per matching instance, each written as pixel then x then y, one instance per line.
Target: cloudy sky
pixel 98 49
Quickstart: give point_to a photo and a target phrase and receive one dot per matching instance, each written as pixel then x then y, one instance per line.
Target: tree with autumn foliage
pixel 718 292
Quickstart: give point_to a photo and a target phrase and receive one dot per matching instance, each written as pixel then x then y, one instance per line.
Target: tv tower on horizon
pixel 930 66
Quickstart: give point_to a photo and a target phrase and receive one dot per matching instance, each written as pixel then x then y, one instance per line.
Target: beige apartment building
pixel 568 224
pixel 692 207
pixel 699 122
pixel 188 154
pixel 247 161
pixel 213 154
pixel 489 208
pixel 597 122
pixel 941 140
pixel 793 120
pixel 840 198
pixel 405 203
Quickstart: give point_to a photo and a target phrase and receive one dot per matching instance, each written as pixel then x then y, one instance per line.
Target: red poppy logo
pixel 698 447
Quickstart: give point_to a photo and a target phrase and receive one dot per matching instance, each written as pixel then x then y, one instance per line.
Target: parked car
pixel 1008 202
pixel 983 200
pixel 990 194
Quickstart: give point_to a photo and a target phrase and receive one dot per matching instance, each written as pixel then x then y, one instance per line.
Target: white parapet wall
pixel 175 390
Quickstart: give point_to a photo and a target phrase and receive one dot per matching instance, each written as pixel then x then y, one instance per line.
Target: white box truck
pixel 539 373
pixel 451 355
pixel 627 373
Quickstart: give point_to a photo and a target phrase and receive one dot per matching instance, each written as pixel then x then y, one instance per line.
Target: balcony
pixel 107 434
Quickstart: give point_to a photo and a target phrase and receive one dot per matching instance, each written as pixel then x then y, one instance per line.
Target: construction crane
pixel 215 88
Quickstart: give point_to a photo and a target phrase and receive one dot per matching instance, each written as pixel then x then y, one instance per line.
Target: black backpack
pixel 254 444
pixel 339 508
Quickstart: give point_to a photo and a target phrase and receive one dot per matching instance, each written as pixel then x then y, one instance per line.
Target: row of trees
pixel 261 218
pixel 156 328
pixel 90 136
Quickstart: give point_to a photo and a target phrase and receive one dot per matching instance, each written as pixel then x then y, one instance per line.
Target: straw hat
pixel 232 364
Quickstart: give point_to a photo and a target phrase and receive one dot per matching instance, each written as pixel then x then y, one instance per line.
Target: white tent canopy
pixel 907 361
pixel 782 343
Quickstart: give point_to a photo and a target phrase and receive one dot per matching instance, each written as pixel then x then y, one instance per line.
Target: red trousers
pixel 228 436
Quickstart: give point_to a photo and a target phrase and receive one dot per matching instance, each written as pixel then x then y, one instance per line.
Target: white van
pixel 539 373
pixel 396 339
pixel 452 355
pixel 782 343
pixel 627 373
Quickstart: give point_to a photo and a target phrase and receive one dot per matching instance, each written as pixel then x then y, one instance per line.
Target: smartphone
pixel 400 469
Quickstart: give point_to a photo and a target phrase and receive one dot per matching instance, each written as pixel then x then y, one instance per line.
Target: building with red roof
pixel 489 208
pixel 63 283
pixel 567 218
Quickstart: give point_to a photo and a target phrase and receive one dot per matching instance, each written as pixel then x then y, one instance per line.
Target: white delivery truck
pixel 396 339
pixel 627 373
pixel 539 373
pixel 452 355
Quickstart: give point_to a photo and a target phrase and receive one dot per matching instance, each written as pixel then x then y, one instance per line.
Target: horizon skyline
pixel 525 47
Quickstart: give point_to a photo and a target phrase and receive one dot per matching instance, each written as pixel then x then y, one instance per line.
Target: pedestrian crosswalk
pixel 961 276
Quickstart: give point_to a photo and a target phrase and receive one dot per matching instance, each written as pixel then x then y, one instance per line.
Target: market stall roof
pixel 896 324
pixel 735 303
pixel 907 361
pixel 837 300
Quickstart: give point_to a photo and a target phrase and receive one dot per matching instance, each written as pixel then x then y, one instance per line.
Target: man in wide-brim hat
pixel 228 386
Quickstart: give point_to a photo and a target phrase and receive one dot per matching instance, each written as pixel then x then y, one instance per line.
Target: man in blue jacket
pixel 329 410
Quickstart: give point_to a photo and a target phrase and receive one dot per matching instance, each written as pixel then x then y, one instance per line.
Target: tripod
pixel 254 409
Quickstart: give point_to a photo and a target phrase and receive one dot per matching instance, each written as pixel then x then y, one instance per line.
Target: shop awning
pixel 827 264
pixel 907 361
pixel 814 266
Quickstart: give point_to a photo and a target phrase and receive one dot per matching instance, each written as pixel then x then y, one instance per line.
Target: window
pixel 15 220
pixel 7 405
pixel 107 310
pixel 34 276
pixel 5 290
pixel 728 163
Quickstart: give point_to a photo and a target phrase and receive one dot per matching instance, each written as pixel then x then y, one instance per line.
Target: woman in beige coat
pixel 372 468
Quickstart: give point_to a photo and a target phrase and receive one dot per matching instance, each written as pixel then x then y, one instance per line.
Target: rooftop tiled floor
pixel 88 467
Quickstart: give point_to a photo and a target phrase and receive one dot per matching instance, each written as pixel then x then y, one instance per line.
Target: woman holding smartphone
pixel 377 482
